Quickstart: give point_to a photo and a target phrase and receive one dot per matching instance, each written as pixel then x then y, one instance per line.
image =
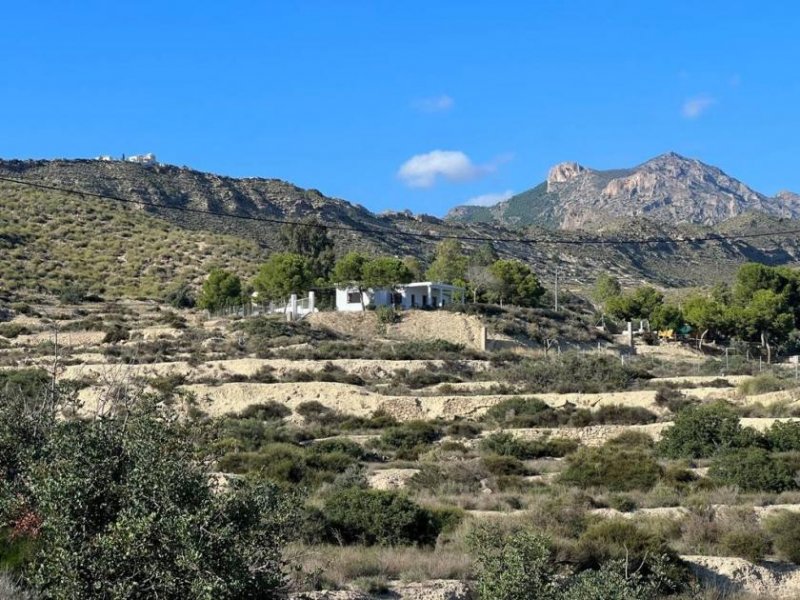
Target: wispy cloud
pixel 489 199
pixel 434 104
pixel 696 106
pixel 423 170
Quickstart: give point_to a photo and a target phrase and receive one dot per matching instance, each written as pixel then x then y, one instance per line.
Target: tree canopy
pixel 283 274
pixel 220 289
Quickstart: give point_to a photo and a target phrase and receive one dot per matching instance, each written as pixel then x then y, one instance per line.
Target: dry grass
pixel 334 567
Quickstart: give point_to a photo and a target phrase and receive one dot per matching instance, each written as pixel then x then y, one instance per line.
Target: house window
pixel 354 297
pixel 413 300
pixel 424 300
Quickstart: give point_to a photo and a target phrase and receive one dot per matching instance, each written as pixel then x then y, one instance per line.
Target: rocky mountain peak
pixel 563 172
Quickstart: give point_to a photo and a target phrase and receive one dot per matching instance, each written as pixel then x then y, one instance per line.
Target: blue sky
pixel 420 105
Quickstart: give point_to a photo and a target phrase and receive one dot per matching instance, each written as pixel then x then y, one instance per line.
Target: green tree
pixel 283 274
pixel 414 267
pixel 606 287
pixel 516 283
pixel 705 314
pixel 220 289
pixel 484 256
pixel 767 318
pixel 666 316
pixel 638 304
pixel 449 264
pixel 310 240
pixel 349 269
pixel 385 272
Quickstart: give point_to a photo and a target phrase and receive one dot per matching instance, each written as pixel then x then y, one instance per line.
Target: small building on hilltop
pixel 420 294
pixel 143 159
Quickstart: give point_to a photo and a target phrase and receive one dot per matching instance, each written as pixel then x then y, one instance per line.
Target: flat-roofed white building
pixel 420 294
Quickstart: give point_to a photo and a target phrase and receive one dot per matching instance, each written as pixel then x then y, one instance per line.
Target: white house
pixel 421 294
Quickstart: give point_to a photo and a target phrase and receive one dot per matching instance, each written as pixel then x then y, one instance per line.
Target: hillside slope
pixel 48 239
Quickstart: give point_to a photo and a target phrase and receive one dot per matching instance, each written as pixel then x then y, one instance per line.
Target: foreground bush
pixel 614 467
pixel 378 517
pixel 521 566
pixel 121 508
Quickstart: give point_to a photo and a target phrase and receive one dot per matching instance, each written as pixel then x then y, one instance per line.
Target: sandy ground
pixel 415 324
pixel 437 589
pixel 768 579
pixel 354 400
pixel 68 339
pixel 374 369
pixel 390 479
pixel 597 435
pixel 677 512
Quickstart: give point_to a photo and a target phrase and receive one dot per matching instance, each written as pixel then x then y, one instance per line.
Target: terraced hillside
pixel 610 461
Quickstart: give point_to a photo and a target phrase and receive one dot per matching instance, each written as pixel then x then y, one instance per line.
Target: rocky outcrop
pixel 561 173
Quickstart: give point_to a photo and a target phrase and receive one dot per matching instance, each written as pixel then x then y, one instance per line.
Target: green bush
pixel 784 529
pixel 379 517
pixel 784 436
pixel 704 430
pixel 266 411
pixel 13 330
pixel 752 469
pixel 642 550
pixel 503 465
pixel 116 333
pixel 751 544
pixel 506 444
pixel 613 467
pixel 410 437
pixel 573 372
pixel 518 566
pixel 761 384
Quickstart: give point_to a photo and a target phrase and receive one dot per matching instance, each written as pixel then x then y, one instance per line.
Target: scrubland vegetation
pixel 149 451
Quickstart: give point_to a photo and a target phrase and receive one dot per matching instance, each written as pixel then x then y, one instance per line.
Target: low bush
pixel 266 411
pixel 784 529
pixel 503 465
pixel 784 436
pixel 506 444
pixel 761 384
pixel 410 438
pixel 13 330
pixel 379 517
pixel 116 333
pixel 752 469
pixel 573 372
pixel 703 431
pixel 643 551
pixel 329 373
pixel 612 467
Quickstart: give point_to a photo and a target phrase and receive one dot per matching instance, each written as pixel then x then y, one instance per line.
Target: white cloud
pixel 423 170
pixel 434 104
pixel 489 199
pixel 694 107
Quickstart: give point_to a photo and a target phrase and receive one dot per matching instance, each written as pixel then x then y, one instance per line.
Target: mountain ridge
pixel 28 217
pixel 668 187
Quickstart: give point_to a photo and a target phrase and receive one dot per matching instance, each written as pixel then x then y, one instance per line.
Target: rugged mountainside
pixel 48 238
pixel 668 188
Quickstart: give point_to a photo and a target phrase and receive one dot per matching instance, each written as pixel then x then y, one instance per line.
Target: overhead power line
pixel 588 241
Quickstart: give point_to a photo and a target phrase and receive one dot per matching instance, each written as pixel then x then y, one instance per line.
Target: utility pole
pixel 556 292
